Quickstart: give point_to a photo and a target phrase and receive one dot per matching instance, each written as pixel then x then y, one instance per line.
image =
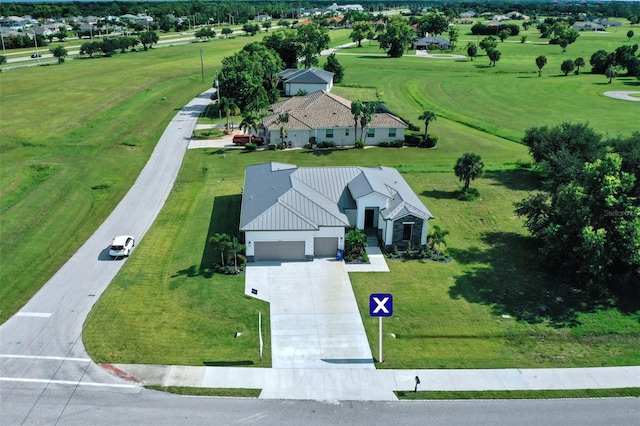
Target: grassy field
pixel 77 135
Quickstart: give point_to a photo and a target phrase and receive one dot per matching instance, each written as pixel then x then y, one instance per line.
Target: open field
pixel 75 136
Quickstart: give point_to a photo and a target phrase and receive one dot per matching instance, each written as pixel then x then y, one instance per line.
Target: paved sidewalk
pixel 378 385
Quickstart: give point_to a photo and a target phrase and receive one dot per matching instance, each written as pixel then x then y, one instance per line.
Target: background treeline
pixel 242 11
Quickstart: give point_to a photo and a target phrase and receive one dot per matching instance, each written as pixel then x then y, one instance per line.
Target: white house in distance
pixel 292 213
pixel 324 117
pixel 309 79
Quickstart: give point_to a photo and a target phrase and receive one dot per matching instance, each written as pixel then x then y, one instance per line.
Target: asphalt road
pixel 64 406
pixel 46 376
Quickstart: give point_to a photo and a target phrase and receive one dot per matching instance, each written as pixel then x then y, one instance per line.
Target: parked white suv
pixel 121 246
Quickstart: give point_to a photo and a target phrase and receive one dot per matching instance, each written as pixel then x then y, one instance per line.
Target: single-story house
pixel 468 14
pixel 425 42
pixel 300 213
pixel 587 26
pixel 324 117
pixel 310 80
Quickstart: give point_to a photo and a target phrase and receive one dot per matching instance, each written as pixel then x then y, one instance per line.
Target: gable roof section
pixel 322 110
pixel 308 76
pixel 280 197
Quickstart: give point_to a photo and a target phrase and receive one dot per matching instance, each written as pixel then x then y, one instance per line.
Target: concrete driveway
pixel 315 322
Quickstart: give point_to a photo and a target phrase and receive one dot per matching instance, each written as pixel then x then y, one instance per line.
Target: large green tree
pixel 433 23
pixel 360 31
pixel 589 227
pixel 567 66
pixel 561 151
pixel 250 77
pixel 397 37
pixel 541 61
pixel 313 40
pixel 334 66
pixel 286 45
pixel 148 39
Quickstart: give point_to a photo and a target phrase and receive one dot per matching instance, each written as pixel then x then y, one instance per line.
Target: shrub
pixel 411 139
pixel 431 142
pixel 250 147
pixel 391 144
pixel 308 146
pixel 327 144
pixel 272 146
pixel 360 144
pixel 469 195
pixel 365 257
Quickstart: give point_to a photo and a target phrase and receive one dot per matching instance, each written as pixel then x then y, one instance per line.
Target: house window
pixel 392 133
pixel 407 230
pixel 329 134
pixel 371 132
pixel 346 132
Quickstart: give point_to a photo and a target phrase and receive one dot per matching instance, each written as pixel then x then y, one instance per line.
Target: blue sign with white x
pixel 381 305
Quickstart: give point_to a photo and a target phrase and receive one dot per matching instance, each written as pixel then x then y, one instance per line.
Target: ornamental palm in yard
pixel 468 167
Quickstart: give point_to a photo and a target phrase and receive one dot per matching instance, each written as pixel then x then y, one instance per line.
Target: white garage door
pixel 325 246
pixel 279 250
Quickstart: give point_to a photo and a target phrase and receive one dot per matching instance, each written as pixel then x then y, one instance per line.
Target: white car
pixel 121 246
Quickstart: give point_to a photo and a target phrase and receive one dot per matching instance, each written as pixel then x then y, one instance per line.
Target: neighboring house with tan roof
pixel 291 213
pixel 324 117
pixel 310 80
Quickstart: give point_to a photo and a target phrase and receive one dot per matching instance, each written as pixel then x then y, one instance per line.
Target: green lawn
pixel 75 136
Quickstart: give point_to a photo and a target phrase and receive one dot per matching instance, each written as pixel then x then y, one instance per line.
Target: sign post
pixel 380 305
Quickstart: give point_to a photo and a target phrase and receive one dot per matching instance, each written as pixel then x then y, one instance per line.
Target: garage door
pixel 279 250
pixel 325 246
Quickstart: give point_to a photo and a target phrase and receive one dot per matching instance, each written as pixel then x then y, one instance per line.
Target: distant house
pixel 310 80
pixel 426 42
pixel 291 213
pixel 262 17
pixel 587 26
pixel 609 23
pixel 467 15
pixel 324 117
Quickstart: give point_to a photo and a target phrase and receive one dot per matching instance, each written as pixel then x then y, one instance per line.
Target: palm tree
pixel 229 106
pixel 437 237
pixel 282 120
pixel 59 52
pixel 428 117
pixel 468 167
pixel 250 121
pixel 221 242
pixel 356 110
pixel 366 117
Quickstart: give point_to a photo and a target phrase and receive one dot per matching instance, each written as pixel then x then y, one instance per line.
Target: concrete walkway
pixel 378 385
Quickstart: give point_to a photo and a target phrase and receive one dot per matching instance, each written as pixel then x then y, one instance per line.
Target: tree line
pixel 586 221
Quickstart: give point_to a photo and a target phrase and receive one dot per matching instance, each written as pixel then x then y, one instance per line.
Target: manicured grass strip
pixel 533 394
pixel 223 392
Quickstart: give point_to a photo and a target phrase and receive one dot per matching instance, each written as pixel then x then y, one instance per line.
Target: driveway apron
pixel 315 322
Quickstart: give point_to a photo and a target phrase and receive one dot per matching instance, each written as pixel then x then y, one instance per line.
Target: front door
pixel 368 218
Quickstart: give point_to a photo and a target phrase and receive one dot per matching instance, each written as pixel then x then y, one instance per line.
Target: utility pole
pixel 218 93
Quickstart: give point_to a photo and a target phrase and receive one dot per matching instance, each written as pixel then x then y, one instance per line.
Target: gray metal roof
pixel 307 75
pixel 281 197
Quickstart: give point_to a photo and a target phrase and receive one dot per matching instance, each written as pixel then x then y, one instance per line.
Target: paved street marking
pixel 53 358
pixel 34 314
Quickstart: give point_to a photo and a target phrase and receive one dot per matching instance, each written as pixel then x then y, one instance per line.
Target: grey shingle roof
pixel 308 75
pixel 322 110
pixel 283 197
